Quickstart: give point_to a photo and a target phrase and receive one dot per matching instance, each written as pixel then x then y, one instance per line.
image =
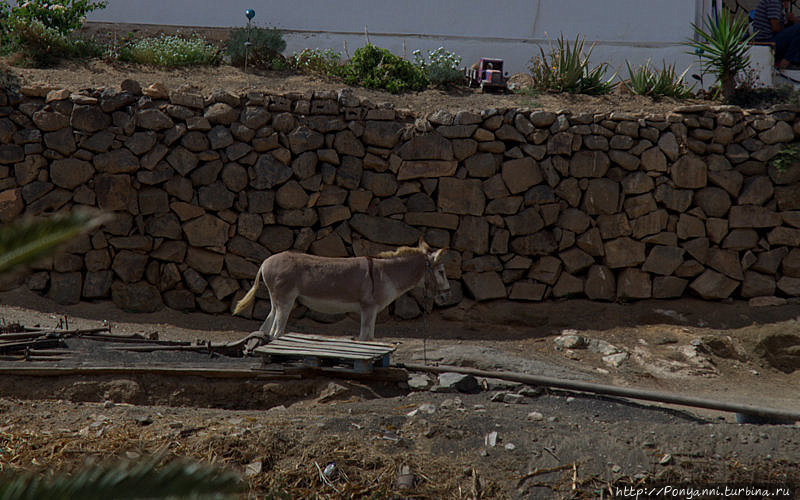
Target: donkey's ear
pixel 423 246
pixel 438 254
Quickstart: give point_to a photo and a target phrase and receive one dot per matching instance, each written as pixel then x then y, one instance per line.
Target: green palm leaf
pixel 142 480
pixel 25 241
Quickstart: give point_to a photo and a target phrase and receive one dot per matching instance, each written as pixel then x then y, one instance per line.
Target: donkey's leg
pixel 368 315
pixel 283 308
pixel 266 326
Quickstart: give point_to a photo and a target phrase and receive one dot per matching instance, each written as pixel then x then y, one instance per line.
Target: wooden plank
pixel 335 339
pixel 332 345
pixel 290 351
pixel 50 371
pixel 331 348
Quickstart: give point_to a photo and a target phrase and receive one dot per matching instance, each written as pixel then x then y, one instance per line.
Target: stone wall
pixel 534 205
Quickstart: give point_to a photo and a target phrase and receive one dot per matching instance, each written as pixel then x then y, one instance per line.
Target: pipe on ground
pixel 770 414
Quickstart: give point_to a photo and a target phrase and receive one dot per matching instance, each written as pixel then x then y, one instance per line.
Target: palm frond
pixel 145 479
pixel 24 241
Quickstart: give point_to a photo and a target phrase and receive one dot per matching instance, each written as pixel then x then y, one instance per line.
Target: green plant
pixel 566 69
pixel 723 46
pixel 5 28
pixel 317 61
pixel 40 45
pixel 441 67
pixel 64 16
pixel 652 82
pixel 377 68
pixel 785 157
pixel 28 239
pixel 170 51
pixel 265 49
pixel 146 479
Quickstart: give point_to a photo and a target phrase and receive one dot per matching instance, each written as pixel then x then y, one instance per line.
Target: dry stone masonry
pixel 533 205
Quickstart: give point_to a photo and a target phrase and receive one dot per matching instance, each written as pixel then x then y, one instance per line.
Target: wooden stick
pixel 59 371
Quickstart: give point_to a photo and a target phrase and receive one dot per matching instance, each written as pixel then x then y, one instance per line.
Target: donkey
pixel 336 285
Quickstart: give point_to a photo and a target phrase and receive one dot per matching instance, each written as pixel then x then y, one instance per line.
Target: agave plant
pixel 26 240
pixel 566 69
pixel 723 47
pixel 645 80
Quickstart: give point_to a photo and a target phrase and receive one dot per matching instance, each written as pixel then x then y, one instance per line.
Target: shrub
pixel 377 68
pixel 5 28
pixel 43 46
pixel 566 69
pixel 8 80
pixel 317 61
pixel 64 16
pixel 266 48
pixel 651 82
pixel 441 68
pixel 723 46
pixel 170 51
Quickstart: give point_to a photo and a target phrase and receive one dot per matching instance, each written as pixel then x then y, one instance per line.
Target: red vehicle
pixel 488 75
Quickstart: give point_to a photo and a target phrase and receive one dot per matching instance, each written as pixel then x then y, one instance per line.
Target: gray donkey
pixel 337 285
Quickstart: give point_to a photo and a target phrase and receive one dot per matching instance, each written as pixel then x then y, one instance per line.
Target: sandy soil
pixel 288 427
pixel 96 73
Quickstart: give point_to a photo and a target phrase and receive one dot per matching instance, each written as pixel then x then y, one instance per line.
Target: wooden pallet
pixel 319 351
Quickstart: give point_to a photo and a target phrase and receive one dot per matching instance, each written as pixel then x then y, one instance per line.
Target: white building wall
pixel 632 30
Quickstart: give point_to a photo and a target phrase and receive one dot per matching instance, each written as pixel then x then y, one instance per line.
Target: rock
pixel 668 287
pixel 634 284
pixel 616 359
pixel 756 191
pixel 50 121
pixel 541 243
pixel 663 260
pixel 750 216
pixel 527 291
pixel 221 113
pixel 568 286
pixel 90 118
pixel 780 350
pixel 383 230
pixel 114 192
pixel 600 283
pixel 70 173
pixel 589 164
pixel 97 284
pixel 136 297
pixel 485 285
pixel 757 285
pixel 669 146
pixel 535 416
pixel 427 147
pixel 601 197
pixel 418 382
pixel 11 153
pixel 766 301
pixel 346 143
pixel 65 288
pixel 461 196
pixel 206 230
pixel 472 235
pixel 781 132
pixel 521 174
pixel 714 201
pixel 405 307
pixel 624 252
pixel 570 341
pixel 713 285
pixel 458 382
pixel 153 119
pixel 690 172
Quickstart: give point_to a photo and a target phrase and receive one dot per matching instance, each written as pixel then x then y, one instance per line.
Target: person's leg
pixel 787 46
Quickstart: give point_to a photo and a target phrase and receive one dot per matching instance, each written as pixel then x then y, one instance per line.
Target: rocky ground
pixel 500 440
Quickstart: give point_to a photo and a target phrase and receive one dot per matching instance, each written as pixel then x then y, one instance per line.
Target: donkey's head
pixel 434 266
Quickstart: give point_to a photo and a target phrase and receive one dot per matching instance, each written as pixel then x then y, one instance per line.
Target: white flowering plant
pixel 441 67
pixel 64 16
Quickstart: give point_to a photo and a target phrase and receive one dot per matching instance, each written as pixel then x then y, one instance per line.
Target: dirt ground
pixel 552 444
pixel 77 76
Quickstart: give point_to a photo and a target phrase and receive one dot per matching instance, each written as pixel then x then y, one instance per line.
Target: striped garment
pixel 766 10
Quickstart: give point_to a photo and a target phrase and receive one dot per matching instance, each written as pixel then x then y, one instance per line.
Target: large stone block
pixel 206 231
pixel 65 288
pixel 114 192
pixel 541 243
pixel 601 197
pixel 690 172
pixel 712 285
pixel 484 286
pixel 624 252
pixel 461 196
pixel 663 260
pixel 757 285
pixel 634 284
pixel 589 164
pixel 472 235
pixel 668 287
pixel 521 174
pixel 427 147
pixel 751 216
pixel 384 230
pixel 714 201
pixel 138 297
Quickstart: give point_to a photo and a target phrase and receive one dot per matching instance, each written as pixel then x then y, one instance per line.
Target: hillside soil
pixel 540 444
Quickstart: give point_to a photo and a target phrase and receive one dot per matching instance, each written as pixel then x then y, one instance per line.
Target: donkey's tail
pixel 250 296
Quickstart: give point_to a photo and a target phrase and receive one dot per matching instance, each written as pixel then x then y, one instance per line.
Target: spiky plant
pixel 28 239
pixel 723 46
pixel 138 480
